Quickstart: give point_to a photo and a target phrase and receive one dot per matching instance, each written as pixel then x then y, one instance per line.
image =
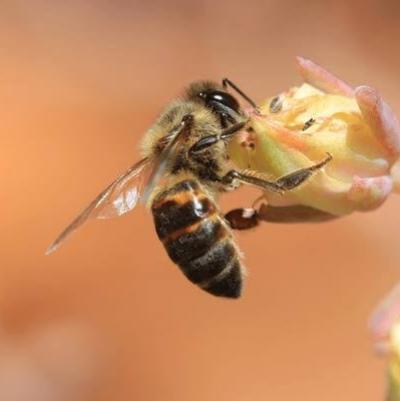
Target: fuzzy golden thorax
pixel 204 123
pixel 209 164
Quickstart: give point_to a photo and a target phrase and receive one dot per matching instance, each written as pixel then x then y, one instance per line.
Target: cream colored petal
pixel 346 161
pixel 393 381
pixel 380 118
pixel 316 75
pixel 395 174
pixel 385 314
pixel 320 192
pixel 285 136
pixel 275 156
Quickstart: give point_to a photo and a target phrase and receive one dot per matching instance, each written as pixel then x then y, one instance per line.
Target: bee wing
pixel 161 164
pixel 118 198
pixel 158 171
pixel 124 193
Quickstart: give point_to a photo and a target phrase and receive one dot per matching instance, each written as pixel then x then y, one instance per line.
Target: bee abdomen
pixel 218 271
pixel 197 239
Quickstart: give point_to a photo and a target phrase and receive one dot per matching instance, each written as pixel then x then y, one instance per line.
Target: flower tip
pixel 306 67
pixel 380 118
pixel 302 60
pixel 367 93
pixel 369 193
pixel 321 78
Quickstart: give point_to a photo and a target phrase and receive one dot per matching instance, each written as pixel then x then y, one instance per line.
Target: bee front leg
pixel 293 180
pixel 211 140
pixel 250 177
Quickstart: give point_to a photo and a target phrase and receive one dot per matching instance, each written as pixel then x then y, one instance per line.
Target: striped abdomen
pixel 197 239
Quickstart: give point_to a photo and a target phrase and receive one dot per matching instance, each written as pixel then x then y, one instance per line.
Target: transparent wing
pixel 124 193
pixel 118 198
pixel 160 165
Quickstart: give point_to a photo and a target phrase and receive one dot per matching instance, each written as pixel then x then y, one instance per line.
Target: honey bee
pixel 185 166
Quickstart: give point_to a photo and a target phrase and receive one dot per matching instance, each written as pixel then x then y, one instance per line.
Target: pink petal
pixel 369 193
pixel 385 315
pixel 317 76
pixel 380 118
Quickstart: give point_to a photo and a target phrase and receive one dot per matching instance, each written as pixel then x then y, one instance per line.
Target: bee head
pixel 215 98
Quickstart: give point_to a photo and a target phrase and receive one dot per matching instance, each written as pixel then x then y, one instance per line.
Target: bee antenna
pixel 227 82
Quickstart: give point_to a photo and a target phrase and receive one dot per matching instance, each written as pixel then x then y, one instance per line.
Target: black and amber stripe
pixel 197 240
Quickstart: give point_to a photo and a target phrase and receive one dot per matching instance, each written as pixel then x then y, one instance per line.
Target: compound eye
pixel 221 97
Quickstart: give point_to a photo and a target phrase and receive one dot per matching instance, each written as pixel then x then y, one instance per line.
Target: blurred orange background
pixel 109 317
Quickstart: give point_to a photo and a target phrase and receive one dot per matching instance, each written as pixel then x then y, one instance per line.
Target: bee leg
pixel 250 178
pixel 285 183
pixel 293 180
pixel 242 218
pixel 247 218
pixel 211 140
pixel 292 214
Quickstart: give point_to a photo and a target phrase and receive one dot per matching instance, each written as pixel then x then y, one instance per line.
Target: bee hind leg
pixel 293 214
pixel 242 218
pixel 247 218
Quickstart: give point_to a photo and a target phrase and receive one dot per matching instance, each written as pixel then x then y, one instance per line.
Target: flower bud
pixel 324 115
